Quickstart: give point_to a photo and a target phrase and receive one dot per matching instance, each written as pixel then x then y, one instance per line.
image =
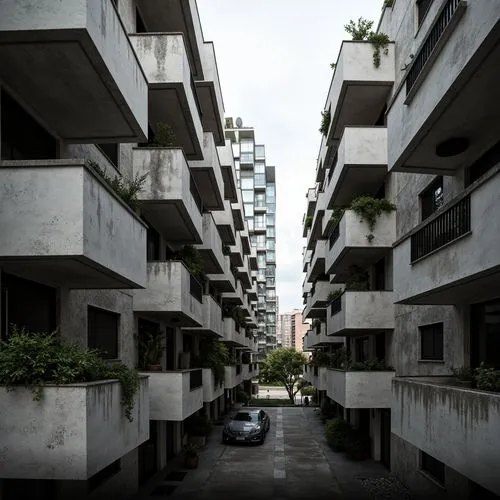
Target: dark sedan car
pixel 247 426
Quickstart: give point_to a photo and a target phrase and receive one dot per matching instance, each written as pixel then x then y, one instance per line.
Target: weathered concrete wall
pixel 67 430
pixel 170 397
pixel 211 391
pixel 456 426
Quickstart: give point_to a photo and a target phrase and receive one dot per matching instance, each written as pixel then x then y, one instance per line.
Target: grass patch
pixel 270 402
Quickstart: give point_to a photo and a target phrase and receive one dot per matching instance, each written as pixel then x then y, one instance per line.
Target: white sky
pixel 274 61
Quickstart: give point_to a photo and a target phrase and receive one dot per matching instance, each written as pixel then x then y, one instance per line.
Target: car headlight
pixel 255 430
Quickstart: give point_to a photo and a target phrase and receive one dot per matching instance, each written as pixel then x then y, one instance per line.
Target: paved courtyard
pixel 294 463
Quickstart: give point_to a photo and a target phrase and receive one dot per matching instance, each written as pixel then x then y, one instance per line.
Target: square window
pixel 432 198
pixel 431 342
pixel 433 467
pixel 422 9
pixel 102 331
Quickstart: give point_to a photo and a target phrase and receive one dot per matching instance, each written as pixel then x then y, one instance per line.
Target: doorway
pixel 385 437
pixel 485 334
pixel 148 454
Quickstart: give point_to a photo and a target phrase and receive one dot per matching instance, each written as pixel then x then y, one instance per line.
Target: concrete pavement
pixel 293 463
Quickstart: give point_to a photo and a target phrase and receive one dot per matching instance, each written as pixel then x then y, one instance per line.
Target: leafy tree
pixel 284 365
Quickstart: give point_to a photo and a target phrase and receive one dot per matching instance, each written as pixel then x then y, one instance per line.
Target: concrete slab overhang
pixel 62 225
pixel 72 65
pixel 169 199
pixel 228 171
pixel 443 93
pixel 360 165
pixel 350 244
pixel 225 224
pixel 357 313
pixel 211 248
pixel 317 267
pixel 176 16
pixel 235 297
pixel 172 94
pixel 224 281
pixel 452 257
pixel 212 319
pixel 317 223
pixel 211 389
pixel 358 91
pixel 236 253
pixel 311 201
pixel 208 175
pixel 239 220
pixel 244 276
pixel 245 242
pixel 172 295
pixel 210 95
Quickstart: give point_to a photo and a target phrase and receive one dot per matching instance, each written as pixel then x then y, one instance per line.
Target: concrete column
pixel 162 437
pixel 375 433
pixel 177 347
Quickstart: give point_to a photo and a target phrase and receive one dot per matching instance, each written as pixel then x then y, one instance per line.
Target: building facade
pixel 293 329
pixel 417 287
pixel 126 89
pixel 257 181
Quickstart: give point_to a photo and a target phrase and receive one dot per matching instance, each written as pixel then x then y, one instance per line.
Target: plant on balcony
pixel 340 358
pixel 333 65
pixel 325 122
pixel 151 349
pixel 487 378
pixel 333 295
pixel 338 433
pixel 337 214
pixel 388 4
pixel 192 259
pixel 214 355
pixel 359 279
pixel 164 136
pixel 235 312
pixel 371 365
pixel 308 222
pixel 321 358
pixel 370 209
pixel 127 189
pixel 242 397
pixel 362 31
pixel 35 359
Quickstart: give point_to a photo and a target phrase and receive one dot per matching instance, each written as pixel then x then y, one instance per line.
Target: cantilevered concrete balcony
pixel 61 437
pixel 208 175
pixel 236 297
pixel 311 201
pixel 353 243
pixel 438 122
pixel 232 379
pixel 358 91
pixel 236 252
pixel 360 313
pixel 315 232
pixel 228 171
pixel 225 280
pixel 175 395
pixel 360 165
pixel 212 323
pixel 306 258
pixel 243 273
pixel 238 215
pixel 233 334
pixel 465 430
pixel 72 64
pixel 317 267
pixel 210 95
pixel 172 295
pixel 319 338
pixel 225 223
pixel 62 225
pixel 245 240
pixel 252 259
pixel 211 389
pixel 358 390
pixel 452 257
pixel 172 95
pixel 177 16
pixel 211 248
pixel 169 198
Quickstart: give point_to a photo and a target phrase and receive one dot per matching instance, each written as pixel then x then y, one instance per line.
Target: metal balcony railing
pixel 447 227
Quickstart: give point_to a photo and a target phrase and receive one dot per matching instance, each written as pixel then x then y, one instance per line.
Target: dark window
pixel 431 342
pixel 380 352
pixel 140 27
pixel 489 159
pixel 485 334
pixel 102 331
pixel 103 475
pixel 22 137
pixel 433 467
pixel 361 349
pixel 34 489
pixel 422 8
pixel 432 198
pixel 153 243
pixel 380 275
pixel 111 151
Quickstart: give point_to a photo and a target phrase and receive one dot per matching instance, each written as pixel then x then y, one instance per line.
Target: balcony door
pixel 485 334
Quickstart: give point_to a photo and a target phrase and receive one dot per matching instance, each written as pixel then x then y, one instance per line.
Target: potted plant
pixel 191 457
pixel 150 350
pixel 464 376
pixel 337 434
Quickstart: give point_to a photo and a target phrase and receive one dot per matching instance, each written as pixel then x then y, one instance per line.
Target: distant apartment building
pixel 258 190
pixel 90 91
pixel 418 286
pixel 293 329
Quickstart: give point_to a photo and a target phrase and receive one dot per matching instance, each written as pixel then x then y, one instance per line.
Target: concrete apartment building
pixel 257 181
pixel 293 329
pixel 422 131
pixel 98 80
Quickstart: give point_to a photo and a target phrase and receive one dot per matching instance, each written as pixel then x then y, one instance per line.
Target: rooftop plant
pixel 325 122
pixel 35 359
pixel 308 221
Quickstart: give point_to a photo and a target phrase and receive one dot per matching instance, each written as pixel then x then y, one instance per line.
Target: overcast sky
pixel 274 66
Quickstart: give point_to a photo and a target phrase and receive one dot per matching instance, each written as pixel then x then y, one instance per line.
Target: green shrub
pixel 487 379
pixel 36 359
pixel 242 397
pixel 325 122
pixel 338 434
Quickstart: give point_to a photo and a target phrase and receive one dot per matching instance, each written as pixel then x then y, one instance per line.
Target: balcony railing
pixel 336 306
pixel 447 227
pixel 195 379
pixel 195 289
pixel 430 42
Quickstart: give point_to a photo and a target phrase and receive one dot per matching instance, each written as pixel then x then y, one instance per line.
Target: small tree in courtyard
pixel 284 365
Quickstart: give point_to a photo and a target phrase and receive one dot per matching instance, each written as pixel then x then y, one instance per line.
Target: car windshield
pixel 246 417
